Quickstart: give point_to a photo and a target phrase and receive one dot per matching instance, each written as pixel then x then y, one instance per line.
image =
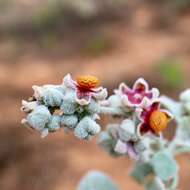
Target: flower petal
pixel 143 110
pixel 141 85
pixel 37 91
pixel 155 105
pixel 168 114
pixel 120 147
pixel 69 82
pixel 146 107
pixel 122 89
pixel 155 93
pixel 101 94
pixel 131 100
pixel 83 97
pixel 143 128
pixel 126 101
pixel 131 152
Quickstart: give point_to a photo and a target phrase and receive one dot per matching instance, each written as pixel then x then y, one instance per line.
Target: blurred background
pixel 116 40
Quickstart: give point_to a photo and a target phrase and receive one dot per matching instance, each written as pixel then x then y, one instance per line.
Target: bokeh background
pixel 116 40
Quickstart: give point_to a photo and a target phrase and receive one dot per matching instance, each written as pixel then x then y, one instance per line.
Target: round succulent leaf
pixel 54 123
pixel 39 117
pixel 69 121
pixel 86 128
pixel 68 107
pixel 52 97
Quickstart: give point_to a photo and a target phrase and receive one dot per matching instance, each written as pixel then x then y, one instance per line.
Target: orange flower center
pixel 87 82
pixel 158 121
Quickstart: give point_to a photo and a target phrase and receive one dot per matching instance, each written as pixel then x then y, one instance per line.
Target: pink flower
pixel 134 97
pixel 86 88
pixel 153 118
pixel 126 148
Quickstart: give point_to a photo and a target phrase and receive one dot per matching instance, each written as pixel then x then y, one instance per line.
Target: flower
pixel 127 148
pixel 134 97
pixel 122 140
pixel 128 142
pixel 153 118
pixel 85 87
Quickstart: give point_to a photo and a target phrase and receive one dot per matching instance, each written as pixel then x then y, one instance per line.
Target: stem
pixel 182 150
pixel 174 183
pixel 112 111
pixel 176 148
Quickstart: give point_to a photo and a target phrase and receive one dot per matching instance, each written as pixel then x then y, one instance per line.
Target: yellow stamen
pixel 158 121
pixel 87 82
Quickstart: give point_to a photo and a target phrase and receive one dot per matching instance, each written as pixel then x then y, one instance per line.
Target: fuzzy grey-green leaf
pixel 141 171
pixel 96 180
pixel 107 143
pixel 154 184
pixel 164 165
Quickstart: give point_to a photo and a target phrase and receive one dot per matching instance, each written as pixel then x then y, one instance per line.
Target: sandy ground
pixel 58 161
